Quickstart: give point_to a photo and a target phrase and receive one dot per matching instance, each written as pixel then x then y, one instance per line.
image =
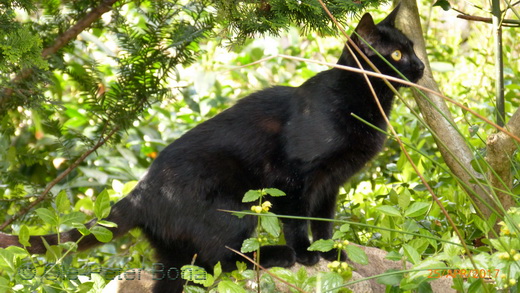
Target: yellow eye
pixel 396 55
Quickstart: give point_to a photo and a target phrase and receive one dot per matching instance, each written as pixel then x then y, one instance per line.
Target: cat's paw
pixel 307 258
pixel 332 255
pixel 277 256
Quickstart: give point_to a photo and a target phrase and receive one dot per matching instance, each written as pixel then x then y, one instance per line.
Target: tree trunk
pixel 452 145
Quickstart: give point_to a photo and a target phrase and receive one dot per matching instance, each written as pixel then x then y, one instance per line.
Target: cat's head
pixel 390 43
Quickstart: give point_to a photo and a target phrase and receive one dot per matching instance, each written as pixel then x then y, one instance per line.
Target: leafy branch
pixel 47 190
pixel 60 42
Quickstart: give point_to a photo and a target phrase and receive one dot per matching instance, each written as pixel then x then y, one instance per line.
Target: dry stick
pixel 264 269
pixel 389 78
pixel 62 40
pixel 401 145
pixel 505 22
pixel 45 192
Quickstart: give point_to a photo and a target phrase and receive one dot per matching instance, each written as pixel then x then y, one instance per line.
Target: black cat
pixel 301 140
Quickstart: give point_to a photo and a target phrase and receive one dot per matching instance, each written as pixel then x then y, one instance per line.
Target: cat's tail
pixel 121 214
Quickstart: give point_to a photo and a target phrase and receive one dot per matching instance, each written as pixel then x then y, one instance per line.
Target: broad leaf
pixel 389 210
pixel 62 202
pixel 274 192
pixel 74 217
pixel 270 224
pixel 102 234
pixel 411 253
pixel 322 245
pixel 250 245
pixel 356 254
pixel 48 216
pixel 251 195
pixel 230 287
pixel 24 235
pixel 417 209
pixel 102 205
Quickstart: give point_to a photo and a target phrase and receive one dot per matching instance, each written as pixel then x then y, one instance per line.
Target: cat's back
pixel 254 122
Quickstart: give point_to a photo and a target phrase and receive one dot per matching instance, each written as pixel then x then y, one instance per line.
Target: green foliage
pixel 154 69
pixel 249 19
pixel 268 224
pixel 58 269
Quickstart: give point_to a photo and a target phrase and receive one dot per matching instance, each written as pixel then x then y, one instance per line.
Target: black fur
pixel 301 140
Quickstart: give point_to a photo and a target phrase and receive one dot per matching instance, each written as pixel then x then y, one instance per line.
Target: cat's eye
pixel 396 55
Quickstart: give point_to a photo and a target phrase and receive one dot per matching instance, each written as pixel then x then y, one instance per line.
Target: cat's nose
pixel 420 65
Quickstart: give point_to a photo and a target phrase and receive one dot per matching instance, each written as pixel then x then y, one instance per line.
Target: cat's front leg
pixel 297 237
pixel 323 229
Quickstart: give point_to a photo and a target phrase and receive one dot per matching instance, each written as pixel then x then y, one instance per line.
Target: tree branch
pixel 451 144
pixel 61 41
pixel 60 177
pixel 505 22
pixel 500 149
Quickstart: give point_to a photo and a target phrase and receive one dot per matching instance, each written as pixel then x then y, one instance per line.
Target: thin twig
pixel 505 22
pixel 60 177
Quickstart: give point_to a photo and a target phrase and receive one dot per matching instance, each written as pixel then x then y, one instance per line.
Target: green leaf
pixel 4 284
pixel 330 281
pixel 412 254
pixel 102 205
pixel 193 273
pixel 53 253
pixel 7 259
pixel 480 165
pixel 129 186
pixel 241 214
pixel 274 192
pixel 72 246
pixel 250 245
pixel 24 235
pixel 193 289
pixel 251 195
pixel 424 269
pixel 477 286
pixel 393 255
pixel 48 216
pixel 229 287
pixel 322 245
pixel 62 201
pixel 107 224
pixel 217 270
pixel 444 4
pixel 403 199
pixel 270 224
pixel 81 228
pixel 389 210
pixel 417 209
pixel 102 234
pixel 74 217
pixel 392 279
pixel 344 228
pixel 356 254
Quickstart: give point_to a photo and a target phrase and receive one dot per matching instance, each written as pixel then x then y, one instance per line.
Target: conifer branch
pixel 60 42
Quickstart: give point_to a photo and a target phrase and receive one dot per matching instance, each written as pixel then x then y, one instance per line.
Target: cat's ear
pixel 390 19
pixel 366 30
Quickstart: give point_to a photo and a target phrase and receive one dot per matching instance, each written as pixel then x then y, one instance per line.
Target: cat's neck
pixel 358 81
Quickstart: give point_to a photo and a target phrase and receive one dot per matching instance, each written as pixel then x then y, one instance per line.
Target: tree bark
pixel 452 146
pixel 500 149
